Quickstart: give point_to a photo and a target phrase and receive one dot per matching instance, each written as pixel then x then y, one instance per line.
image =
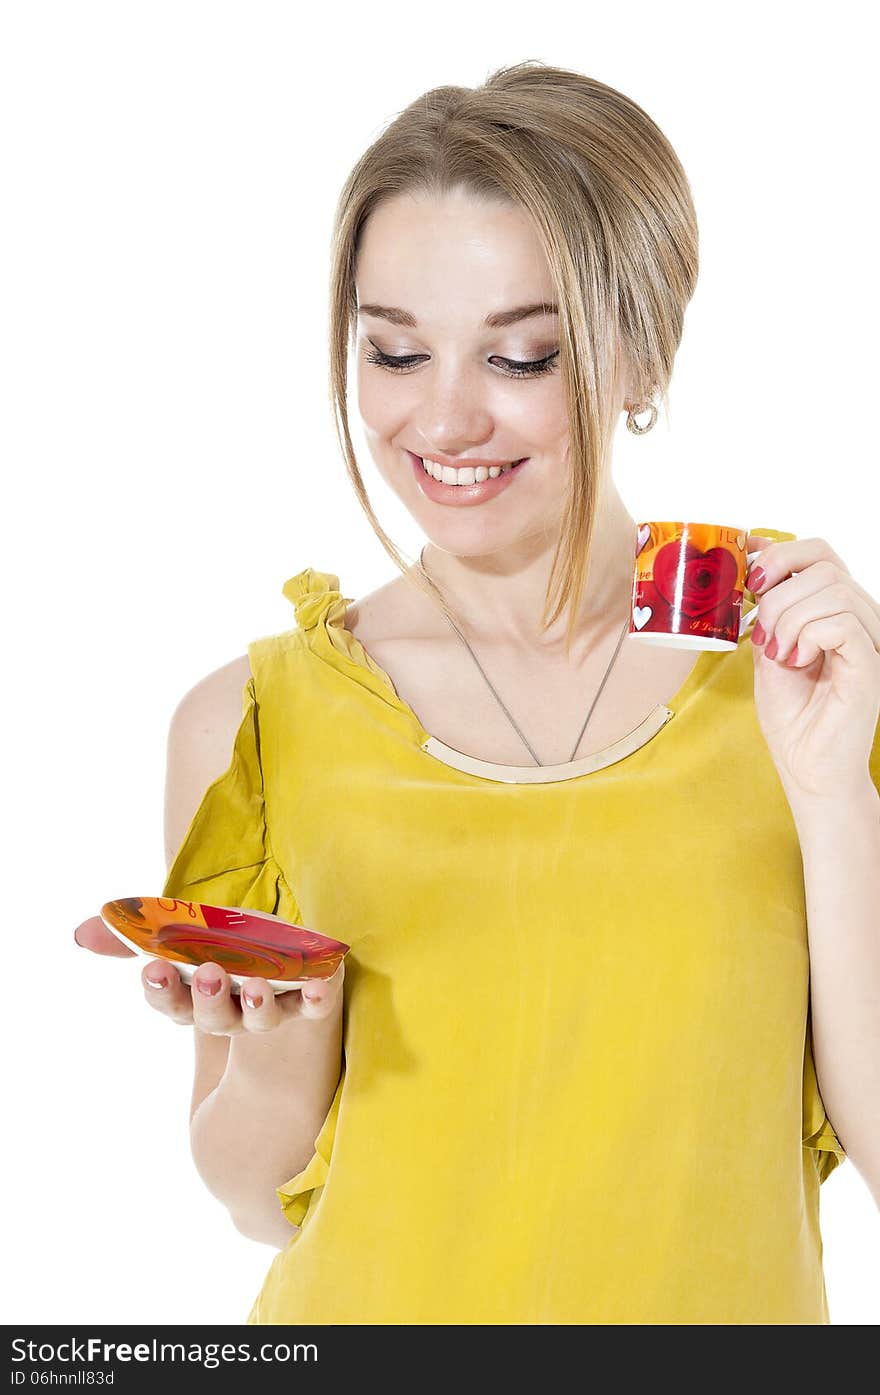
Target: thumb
pixel 94 935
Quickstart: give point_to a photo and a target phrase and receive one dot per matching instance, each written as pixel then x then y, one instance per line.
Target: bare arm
pixel 262 1086
pixel 258 1127
pixel 840 848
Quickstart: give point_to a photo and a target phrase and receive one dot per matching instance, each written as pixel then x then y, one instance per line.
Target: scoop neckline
pixel 321 607
pixel 500 773
pixel 589 764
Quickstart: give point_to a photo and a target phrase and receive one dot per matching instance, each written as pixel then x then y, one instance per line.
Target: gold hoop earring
pixel 631 415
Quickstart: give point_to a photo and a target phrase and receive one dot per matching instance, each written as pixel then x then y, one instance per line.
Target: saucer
pixel 245 943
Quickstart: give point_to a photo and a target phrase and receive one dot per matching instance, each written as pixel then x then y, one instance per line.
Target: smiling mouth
pixel 467 475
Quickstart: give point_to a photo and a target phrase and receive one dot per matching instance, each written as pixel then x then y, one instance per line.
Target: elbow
pixel 268 1226
pixel 261 1220
pixel 245 1192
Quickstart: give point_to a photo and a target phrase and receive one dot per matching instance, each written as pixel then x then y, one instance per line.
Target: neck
pixel 499 596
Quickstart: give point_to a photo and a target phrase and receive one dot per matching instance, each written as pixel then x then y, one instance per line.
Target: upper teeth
pixel 447 475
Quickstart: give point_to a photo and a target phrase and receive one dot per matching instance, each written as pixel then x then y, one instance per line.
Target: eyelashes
pixel 514 368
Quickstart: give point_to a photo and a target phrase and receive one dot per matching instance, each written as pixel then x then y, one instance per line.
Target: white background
pixel 169 172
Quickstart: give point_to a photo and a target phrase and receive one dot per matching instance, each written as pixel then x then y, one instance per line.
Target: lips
pixel 463 495
pixel 473 464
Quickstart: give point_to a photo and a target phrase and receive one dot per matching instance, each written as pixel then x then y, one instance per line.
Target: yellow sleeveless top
pixel 577 1082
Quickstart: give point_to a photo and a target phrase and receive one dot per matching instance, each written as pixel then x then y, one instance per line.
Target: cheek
pixel 381 408
pixel 536 415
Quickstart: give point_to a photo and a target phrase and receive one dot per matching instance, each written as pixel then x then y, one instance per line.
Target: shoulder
pixel 201 737
pixel 215 701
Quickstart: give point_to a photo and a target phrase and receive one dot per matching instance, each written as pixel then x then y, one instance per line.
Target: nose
pixel 453 417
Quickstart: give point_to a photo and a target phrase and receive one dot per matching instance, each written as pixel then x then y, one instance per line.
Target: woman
pixel 567 1073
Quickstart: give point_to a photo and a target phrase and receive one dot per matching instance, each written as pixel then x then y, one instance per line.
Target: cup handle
pixel 748 616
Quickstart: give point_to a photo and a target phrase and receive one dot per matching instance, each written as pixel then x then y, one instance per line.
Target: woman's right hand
pixel 220 1012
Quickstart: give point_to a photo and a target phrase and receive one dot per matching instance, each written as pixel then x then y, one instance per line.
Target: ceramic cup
pixel 688 583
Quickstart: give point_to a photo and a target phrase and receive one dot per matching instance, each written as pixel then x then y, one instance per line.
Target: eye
pixel 514 368
pixel 518 368
pixel 394 365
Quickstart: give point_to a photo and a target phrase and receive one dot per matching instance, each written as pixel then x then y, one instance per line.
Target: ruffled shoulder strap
pixel 320 612
pixel 316 598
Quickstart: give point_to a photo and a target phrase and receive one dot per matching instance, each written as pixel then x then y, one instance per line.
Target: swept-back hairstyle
pixel 614 213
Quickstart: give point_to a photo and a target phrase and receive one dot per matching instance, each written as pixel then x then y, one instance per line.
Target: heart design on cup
pixel 644 535
pixel 703 579
pixel 641 615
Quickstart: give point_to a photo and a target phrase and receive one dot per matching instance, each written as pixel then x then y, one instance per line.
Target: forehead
pixel 452 253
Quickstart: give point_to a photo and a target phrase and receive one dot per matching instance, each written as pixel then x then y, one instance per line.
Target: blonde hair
pixel 614 214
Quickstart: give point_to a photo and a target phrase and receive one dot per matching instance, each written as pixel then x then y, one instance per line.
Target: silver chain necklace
pixel 498 698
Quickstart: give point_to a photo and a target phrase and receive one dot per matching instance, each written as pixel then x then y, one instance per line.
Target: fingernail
pixel 758 635
pixel 755 580
pixel 254 1001
pixel 208 985
pixel 771 650
pixel 157 982
pixel 793 657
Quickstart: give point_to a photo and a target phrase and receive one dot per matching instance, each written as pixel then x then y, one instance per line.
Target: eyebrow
pixel 499 320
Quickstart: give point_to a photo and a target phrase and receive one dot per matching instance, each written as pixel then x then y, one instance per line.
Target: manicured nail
pixel 771 649
pixel 792 658
pixel 254 1001
pixel 157 982
pixel 758 635
pixel 209 986
pixel 755 580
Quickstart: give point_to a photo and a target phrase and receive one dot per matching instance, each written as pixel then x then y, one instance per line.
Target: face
pixel 441 382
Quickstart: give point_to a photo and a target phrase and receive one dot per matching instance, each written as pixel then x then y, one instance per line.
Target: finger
pixel 779 559
pixel 165 991
pixel 94 935
pixel 842 634
pixel 263 1009
pixel 214 1010
pixel 794 603
pixel 260 1006
pixel 320 997
pixel 755 545
pixel 774 598
pixel 799 626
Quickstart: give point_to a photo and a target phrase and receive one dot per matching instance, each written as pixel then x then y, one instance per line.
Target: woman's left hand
pixel 817 666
